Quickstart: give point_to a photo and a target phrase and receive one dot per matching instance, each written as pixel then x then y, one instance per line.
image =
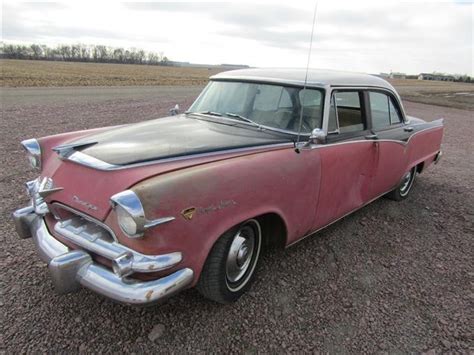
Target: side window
pixel 379 108
pixel 395 116
pixel 349 111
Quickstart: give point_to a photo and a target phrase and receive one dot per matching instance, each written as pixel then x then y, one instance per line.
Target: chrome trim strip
pixel 403 143
pixel 83 159
pixel 87 160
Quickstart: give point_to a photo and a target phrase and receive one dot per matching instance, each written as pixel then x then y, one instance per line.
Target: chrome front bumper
pixel 72 268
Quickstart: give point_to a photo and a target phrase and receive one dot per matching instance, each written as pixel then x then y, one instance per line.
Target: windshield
pixel 273 106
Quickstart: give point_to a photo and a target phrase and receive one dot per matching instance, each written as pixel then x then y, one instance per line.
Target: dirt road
pixel 393 277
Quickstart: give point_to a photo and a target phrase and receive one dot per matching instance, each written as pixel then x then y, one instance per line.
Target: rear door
pixel 348 158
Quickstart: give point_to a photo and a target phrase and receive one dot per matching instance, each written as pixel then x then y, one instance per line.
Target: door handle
pixel 372 137
pixel 408 129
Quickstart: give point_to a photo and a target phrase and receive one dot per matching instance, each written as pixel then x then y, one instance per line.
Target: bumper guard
pixel 72 268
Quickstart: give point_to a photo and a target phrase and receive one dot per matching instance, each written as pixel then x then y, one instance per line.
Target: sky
pixel 365 36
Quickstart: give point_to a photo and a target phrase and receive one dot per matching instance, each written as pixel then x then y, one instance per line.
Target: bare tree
pixel 82 53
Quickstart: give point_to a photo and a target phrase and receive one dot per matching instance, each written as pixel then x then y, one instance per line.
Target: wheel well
pixel 273 230
pixel 419 167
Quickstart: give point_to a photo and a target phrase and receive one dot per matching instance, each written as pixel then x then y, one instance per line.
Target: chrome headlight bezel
pixel 33 151
pixel 127 205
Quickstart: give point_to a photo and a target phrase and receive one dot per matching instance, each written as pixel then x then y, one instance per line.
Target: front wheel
pixel 230 266
pixel 402 190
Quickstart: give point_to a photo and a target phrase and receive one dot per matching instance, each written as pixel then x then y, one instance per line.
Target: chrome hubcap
pixel 406 183
pixel 240 254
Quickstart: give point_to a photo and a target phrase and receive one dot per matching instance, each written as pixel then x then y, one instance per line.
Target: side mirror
pixel 175 110
pixel 317 136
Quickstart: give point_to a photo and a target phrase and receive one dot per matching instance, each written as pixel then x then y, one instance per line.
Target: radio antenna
pixel 306 80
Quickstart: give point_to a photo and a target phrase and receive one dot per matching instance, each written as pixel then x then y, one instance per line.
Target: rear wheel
pixel 402 191
pixel 230 267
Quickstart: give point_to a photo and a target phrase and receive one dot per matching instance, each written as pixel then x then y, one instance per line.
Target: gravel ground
pixel 391 278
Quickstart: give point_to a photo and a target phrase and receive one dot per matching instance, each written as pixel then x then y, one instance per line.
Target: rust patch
pixel 148 295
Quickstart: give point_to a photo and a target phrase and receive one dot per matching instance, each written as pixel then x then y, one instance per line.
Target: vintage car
pixel 262 158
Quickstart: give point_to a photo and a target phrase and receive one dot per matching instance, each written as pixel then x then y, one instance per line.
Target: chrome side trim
pixel 404 143
pixel 86 160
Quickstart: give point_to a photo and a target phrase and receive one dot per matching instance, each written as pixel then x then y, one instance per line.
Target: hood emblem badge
pixel 88 205
pixel 188 213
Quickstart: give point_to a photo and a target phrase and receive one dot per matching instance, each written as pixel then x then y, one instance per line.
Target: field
pixel 450 94
pixel 31 73
pixel 28 73
pixel 390 278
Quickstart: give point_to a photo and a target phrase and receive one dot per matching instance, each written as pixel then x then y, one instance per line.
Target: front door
pixel 348 158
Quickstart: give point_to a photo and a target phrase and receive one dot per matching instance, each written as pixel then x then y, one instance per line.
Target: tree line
pixel 82 53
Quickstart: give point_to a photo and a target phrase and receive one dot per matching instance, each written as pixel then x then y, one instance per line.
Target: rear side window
pixel 346 110
pixel 384 112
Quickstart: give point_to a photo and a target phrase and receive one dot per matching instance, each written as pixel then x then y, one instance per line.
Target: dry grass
pixel 26 73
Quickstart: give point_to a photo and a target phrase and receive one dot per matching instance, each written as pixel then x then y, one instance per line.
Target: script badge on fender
pixel 188 213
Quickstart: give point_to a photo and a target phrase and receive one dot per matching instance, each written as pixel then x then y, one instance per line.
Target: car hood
pixel 169 137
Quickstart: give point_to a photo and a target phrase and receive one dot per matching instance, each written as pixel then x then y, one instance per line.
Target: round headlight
pixel 33 151
pixel 126 221
pixel 130 214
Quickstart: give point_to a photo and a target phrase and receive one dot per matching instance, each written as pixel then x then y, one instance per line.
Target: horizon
pixel 408 37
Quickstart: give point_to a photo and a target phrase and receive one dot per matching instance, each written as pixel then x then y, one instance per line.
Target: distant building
pixel 434 76
pixel 397 75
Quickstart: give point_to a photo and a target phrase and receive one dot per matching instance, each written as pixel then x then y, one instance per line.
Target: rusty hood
pixel 171 137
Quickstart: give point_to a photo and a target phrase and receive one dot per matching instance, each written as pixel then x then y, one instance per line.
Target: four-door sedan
pixel 139 212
